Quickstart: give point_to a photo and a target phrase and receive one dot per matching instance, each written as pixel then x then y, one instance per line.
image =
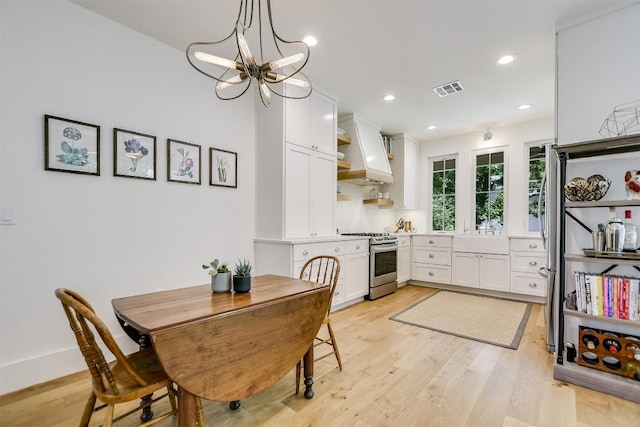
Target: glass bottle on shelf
pixel 614 232
pixel 630 233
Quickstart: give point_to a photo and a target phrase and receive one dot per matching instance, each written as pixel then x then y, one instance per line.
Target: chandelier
pixel 234 76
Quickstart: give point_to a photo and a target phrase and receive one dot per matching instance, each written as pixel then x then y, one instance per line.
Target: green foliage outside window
pixel 490 190
pixel 443 203
pixel 537 163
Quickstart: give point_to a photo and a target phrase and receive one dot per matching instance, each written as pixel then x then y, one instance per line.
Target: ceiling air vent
pixel 448 88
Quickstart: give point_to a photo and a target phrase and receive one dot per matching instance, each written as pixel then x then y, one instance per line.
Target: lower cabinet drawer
pixel 528 284
pixel 527 262
pixel 297 267
pixel 431 273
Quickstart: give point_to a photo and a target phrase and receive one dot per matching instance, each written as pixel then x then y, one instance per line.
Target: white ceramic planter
pixel 221 282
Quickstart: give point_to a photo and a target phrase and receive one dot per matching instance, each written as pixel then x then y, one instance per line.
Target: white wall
pixel 598 69
pixel 514 137
pixel 104 236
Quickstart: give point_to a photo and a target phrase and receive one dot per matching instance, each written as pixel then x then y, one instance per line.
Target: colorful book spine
pixel 599 298
pixel 634 299
pixel 587 287
pixel 604 282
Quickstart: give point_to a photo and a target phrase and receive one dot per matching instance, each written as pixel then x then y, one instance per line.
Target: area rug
pixel 490 320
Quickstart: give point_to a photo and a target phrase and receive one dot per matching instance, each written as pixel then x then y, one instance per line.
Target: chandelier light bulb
pixel 216 60
pixel 265 90
pixel 229 82
pixel 283 62
pixel 244 48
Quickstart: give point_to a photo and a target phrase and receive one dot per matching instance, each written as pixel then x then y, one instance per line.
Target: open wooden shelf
pixel 379 202
pixel 613 320
pixel 344 139
pixel 342 197
pixel 344 165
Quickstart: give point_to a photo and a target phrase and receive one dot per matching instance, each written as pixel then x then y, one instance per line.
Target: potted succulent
pixel 242 276
pixel 220 276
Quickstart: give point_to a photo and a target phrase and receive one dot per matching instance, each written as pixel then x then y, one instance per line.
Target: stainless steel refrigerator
pixel 548 215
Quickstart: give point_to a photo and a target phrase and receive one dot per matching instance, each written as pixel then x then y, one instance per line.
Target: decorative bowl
pixel 586 190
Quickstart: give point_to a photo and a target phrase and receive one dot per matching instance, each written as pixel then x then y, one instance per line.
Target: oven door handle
pixel 388 247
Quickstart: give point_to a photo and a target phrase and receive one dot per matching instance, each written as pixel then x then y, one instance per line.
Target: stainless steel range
pixel 383 259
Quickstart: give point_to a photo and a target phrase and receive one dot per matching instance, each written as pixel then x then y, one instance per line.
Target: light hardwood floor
pixel 394 375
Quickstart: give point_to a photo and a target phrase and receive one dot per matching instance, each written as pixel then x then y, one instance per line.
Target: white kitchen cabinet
pixel 309 201
pixel 485 271
pixel 287 258
pixel 404 259
pixel 311 122
pixel 431 258
pixel 404 165
pixel 357 270
pixel 527 255
pixel 296 168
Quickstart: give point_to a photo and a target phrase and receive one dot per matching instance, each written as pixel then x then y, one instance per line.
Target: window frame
pixel 527 146
pixel 505 186
pixel 432 160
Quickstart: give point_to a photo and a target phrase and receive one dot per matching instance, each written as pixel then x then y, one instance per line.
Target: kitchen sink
pixel 481 243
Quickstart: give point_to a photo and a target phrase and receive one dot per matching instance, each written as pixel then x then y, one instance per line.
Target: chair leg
pixel 172 399
pixel 108 416
pixel 298 369
pixel 335 345
pixel 88 410
pixel 199 413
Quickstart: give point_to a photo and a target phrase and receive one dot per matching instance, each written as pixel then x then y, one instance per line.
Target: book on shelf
pixel 606 295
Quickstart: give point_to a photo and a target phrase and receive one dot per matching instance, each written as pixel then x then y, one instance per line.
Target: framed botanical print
pixel 71 146
pixel 223 168
pixel 134 154
pixel 183 162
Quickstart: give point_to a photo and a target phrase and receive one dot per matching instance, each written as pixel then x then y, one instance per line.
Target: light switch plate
pixel 7 216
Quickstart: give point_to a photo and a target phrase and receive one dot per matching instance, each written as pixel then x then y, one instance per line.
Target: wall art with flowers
pixel 223 168
pixel 71 146
pixel 183 162
pixel 134 154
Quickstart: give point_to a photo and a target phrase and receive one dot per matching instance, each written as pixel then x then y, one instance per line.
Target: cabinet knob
pixel 533 262
pixel 305 252
pixel 431 273
pixel 533 245
pixel 430 255
pixel 533 285
pixel 357 246
pixel 337 249
pixel 431 242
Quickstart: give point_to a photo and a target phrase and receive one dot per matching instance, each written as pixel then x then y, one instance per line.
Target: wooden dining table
pixel 228 346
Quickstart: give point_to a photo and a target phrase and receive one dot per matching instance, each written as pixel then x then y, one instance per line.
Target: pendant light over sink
pixel 234 76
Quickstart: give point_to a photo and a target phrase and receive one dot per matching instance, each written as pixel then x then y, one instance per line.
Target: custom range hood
pixel 367 154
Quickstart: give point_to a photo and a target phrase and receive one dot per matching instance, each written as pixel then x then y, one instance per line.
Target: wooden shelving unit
pixel 378 202
pixel 344 139
pixel 344 165
pixel 342 197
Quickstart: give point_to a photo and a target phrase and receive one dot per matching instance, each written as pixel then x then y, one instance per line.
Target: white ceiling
pixel 370 48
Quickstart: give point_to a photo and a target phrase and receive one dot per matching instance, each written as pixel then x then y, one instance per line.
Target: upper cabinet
pixel 405 173
pixel 311 122
pixel 296 167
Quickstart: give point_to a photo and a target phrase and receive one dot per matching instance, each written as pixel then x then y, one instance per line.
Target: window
pixel 537 163
pixel 489 195
pixel 443 206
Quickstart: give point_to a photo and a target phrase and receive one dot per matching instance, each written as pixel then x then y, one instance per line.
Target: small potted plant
pixel 242 276
pixel 220 276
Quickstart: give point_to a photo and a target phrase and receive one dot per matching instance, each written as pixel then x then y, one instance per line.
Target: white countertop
pixel 311 240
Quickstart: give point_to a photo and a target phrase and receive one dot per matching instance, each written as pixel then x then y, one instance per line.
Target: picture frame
pixel 71 146
pixel 134 154
pixel 223 168
pixel 184 162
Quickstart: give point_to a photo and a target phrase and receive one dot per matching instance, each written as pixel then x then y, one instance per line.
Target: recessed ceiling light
pixel 389 97
pixel 524 106
pixel 431 127
pixel 310 40
pixel 506 59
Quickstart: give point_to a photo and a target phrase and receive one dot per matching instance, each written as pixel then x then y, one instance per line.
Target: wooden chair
pixel 322 269
pixel 128 378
